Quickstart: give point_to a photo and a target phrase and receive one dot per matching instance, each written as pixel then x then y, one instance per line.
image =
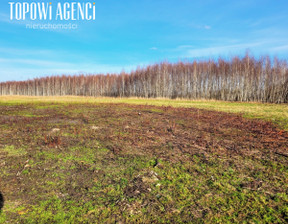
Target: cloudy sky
pixel 129 33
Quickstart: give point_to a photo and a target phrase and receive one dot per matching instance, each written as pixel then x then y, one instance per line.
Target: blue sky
pixel 130 33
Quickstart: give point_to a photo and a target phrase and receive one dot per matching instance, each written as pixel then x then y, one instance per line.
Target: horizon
pixel 215 60
pixel 128 34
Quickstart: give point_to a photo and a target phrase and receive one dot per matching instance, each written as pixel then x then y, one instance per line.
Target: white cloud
pixel 34 62
pixel 200 26
pixel 217 50
pixel 279 49
pixel 153 48
pixel 23 69
pixel 206 27
pixel 27 52
pixel 4 17
pixel 185 47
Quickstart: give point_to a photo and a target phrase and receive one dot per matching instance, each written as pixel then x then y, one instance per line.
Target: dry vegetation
pixel 85 161
pixel 276 113
pixel 237 79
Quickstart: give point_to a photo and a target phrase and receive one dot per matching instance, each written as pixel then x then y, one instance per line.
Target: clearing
pixel 84 160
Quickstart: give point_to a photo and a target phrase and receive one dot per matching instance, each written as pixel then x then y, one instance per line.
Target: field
pixel 106 160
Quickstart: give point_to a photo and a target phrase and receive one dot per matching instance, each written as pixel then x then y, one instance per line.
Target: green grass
pixel 276 113
pixel 12 151
pixel 124 172
pixel 195 191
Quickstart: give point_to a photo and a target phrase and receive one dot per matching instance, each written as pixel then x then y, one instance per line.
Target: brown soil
pixel 171 134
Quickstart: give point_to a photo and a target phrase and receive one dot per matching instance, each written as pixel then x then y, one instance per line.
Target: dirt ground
pixel 42 150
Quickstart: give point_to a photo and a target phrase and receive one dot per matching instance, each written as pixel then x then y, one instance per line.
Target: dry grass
pixel 97 162
pixel 277 113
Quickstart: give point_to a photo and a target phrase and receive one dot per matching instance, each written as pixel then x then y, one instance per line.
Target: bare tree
pixel 236 79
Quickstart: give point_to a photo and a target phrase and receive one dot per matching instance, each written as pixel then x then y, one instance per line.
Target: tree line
pixel 235 79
